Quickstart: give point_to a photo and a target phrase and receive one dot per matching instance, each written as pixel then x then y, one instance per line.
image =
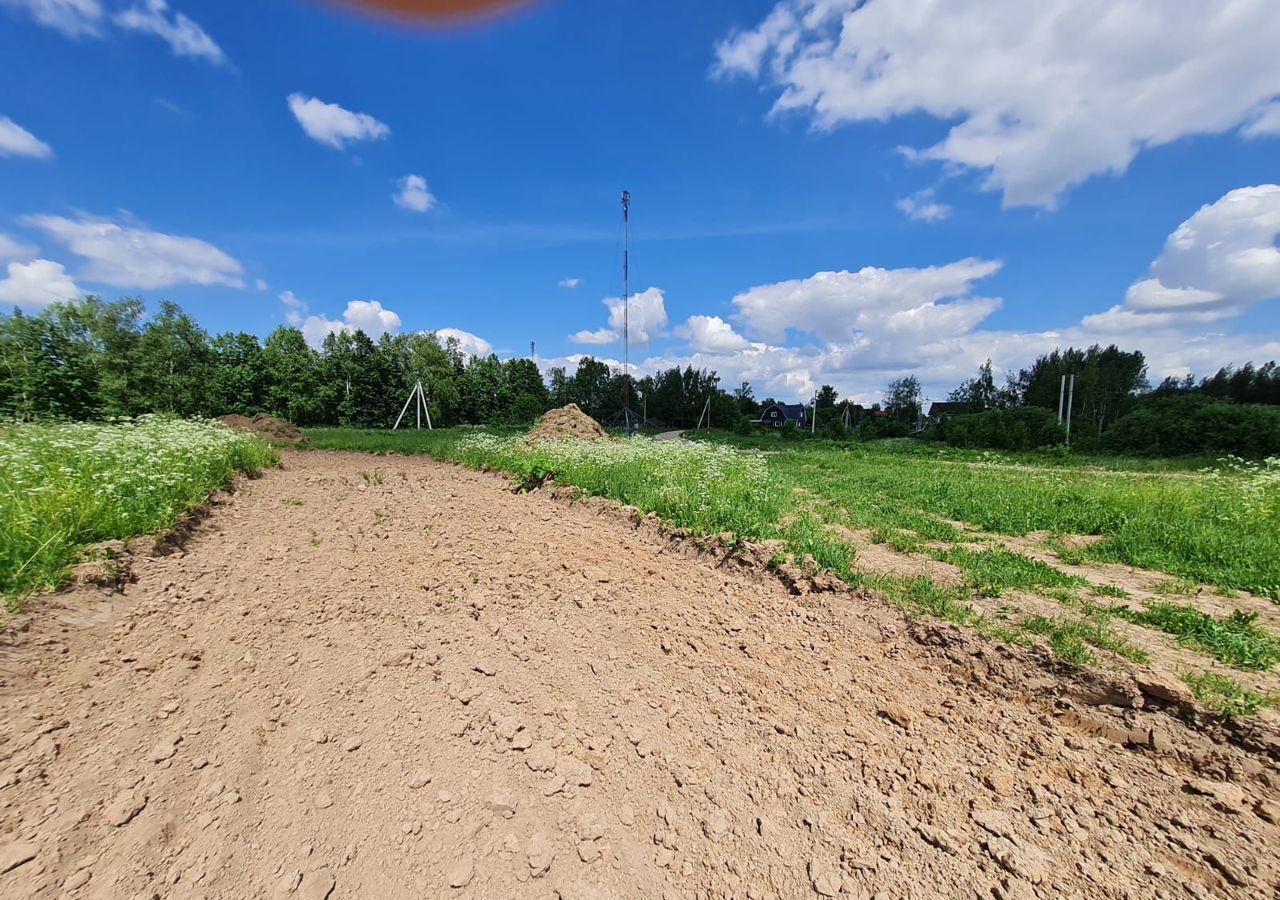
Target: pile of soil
pixel 568 423
pixel 273 428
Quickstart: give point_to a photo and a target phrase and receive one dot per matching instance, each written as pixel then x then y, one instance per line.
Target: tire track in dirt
pixel 412 683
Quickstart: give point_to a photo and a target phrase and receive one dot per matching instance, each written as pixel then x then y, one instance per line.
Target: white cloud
pixel 87 18
pixel 599 336
pixel 469 344
pixel 836 306
pixel 294 309
pixel 330 124
pixel 712 334
pixel 570 283
pixel 131 257
pixel 184 36
pixel 260 284
pixel 74 18
pixel 1215 266
pixel 857 331
pixel 923 207
pixel 368 316
pixel 413 194
pixel 17 141
pixel 1265 123
pixel 1038 96
pixel 11 249
pixel 647 313
pixel 37 284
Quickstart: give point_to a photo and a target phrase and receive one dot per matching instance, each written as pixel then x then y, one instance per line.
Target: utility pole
pixel 626 309
pixel 1062 393
pixel 1071 397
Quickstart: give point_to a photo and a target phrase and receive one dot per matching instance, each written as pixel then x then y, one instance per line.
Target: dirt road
pixel 391 678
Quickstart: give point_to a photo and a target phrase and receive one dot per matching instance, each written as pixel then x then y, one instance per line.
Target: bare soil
pixel 273 428
pixel 422 685
pixel 568 423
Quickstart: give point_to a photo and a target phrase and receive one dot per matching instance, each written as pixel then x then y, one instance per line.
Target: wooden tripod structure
pixel 420 407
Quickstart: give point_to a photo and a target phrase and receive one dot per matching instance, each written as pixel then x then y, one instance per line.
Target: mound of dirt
pixel 568 423
pixel 273 428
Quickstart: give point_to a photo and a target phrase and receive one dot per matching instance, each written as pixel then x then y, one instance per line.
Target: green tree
pixel 902 400
pixel 978 393
pixel 173 363
pixel 292 378
pixel 239 374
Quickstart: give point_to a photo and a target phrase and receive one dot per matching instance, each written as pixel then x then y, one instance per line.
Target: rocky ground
pixel 389 677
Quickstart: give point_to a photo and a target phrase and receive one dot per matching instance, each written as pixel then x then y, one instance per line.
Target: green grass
pixel 1221 529
pixel 1235 639
pixel 66 486
pixel 1227 696
pixel 1070 639
pixel 992 572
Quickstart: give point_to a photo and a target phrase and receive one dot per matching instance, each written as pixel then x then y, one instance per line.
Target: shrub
pixel 1175 426
pixel 1015 428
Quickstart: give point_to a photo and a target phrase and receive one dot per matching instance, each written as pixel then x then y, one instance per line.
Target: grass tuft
pixel 1227 696
pixel 1235 639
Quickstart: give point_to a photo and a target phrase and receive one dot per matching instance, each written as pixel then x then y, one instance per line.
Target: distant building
pixel 947 408
pixel 779 414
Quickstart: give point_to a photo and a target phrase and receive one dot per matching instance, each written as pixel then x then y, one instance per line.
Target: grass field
pixel 1187 522
pixel 63 487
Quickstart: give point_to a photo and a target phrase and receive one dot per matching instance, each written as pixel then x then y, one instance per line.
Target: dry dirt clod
pixel 15 854
pixel 461 872
pixel 124 807
pixel 316 885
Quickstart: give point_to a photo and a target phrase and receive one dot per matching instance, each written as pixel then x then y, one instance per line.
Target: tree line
pixel 90 359
pixel 93 359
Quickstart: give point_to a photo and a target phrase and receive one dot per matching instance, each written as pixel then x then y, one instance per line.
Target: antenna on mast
pixel 626 419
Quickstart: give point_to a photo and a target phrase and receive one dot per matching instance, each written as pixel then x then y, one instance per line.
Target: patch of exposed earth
pixel 1168 657
pixel 417 684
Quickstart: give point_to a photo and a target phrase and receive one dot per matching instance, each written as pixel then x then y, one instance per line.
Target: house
pixel 946 409
pixel 779 414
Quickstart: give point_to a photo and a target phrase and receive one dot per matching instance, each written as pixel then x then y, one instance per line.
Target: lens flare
pixel 435 11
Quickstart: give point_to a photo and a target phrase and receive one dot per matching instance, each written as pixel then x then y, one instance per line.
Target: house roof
pixel 949 407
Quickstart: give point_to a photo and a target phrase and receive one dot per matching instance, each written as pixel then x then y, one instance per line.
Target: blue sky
pixel 825 191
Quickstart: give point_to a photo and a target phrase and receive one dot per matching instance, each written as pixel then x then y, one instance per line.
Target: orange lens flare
pixel 435 11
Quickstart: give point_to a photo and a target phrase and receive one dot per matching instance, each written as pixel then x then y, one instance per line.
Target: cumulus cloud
pixel 859 330
pixel 333 125
pixel 923 207
pixel 1037 96
pixel 711 334
pixel 1215 266
pixel 836 306
pixel 132 257
pixel 468 344
pixel 184 36
pixel 413 194
pixel 17 141
pixel 36 284
pixel 570 283
pixel 74 18
pixel 12 249
pixel 368 316
pixel 599 336
pixel 647 314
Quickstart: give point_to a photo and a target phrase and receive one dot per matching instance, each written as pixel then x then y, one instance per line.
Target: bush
pixel 1015 428
pixel 1176 426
